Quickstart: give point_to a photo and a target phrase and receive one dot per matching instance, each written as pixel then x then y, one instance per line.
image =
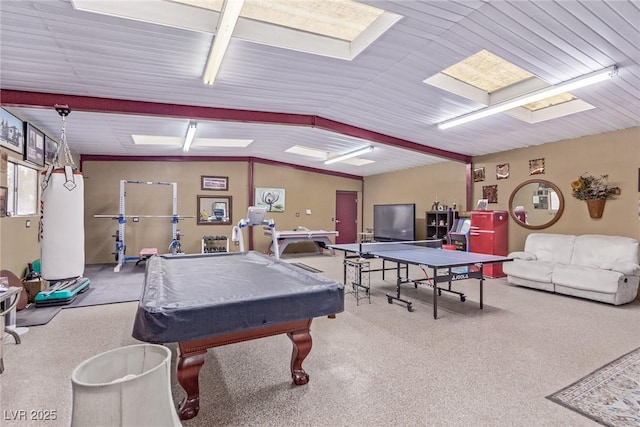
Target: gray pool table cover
pixel 190 297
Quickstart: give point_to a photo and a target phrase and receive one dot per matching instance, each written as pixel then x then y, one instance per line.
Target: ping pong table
pixel 446 265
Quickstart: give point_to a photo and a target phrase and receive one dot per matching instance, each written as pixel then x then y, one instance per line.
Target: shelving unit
pixel 215 244
pixel 438 224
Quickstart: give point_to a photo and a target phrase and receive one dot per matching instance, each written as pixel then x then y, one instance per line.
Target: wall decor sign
pixel 215 183
pixel 50 148
pixel 478 174
pixel 34 150
pixel 271 198
pixel 502 171
pixel 482 205
pixel 536 166
pixel 490 192
pixel 11 132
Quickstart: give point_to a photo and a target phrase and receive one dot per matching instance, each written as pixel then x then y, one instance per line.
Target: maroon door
pixel 346 216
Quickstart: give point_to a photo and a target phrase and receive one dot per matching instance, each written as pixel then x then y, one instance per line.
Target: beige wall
pixel 102 196
pixel 303 190
pixel 613 153
pixel 444 182
pixel 19 245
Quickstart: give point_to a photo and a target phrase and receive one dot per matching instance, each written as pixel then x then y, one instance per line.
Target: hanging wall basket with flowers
pixel 595 190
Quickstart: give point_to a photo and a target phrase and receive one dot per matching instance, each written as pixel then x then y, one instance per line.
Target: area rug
pixel 609 395
pixel 107 287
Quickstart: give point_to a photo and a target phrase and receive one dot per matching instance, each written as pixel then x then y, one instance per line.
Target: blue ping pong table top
pixel 419 255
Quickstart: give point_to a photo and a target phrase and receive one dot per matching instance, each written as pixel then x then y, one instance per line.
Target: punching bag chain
pixel 63 147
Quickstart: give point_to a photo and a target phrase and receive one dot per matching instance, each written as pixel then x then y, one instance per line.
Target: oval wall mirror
pixel 536 204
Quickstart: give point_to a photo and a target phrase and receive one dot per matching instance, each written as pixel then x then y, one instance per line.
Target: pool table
pixel 209 300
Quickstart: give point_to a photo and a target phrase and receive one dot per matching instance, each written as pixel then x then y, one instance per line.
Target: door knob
pixel 337 221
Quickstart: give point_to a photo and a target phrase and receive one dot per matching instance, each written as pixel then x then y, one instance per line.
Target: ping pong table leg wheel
pixel 409 307
pixel 463 298
pixel 389 300
pixel 439 292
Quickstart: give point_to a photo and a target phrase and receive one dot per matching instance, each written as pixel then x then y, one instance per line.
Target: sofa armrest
pixel 526 256
pixel 626 268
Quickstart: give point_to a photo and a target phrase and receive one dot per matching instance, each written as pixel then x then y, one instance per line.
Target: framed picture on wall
pixel 490 192
pixel 536 166
pixel 271 198
pixel 478 174
pixel 215 183
pixel 11 132
pixel 502 171
pixel 34 150
pixel 50 148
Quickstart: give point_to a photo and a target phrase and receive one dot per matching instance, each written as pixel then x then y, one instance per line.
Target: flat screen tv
pixel 394 222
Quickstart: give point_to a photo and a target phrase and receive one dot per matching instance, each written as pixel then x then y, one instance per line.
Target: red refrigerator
pixel 488 235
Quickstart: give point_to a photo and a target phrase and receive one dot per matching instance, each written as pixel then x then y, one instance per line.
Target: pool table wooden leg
pixel 301 348
pixel 189 365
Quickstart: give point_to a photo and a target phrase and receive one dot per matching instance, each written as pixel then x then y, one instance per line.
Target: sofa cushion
pixel 527 256
pixel 604 252
pixel 588 279
pixel 556 248
pixel 539 271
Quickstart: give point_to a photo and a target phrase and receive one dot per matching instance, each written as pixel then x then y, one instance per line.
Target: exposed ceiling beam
pixel 248 159
pixel 15 98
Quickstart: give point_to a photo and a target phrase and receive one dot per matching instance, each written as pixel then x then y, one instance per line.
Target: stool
pixel 146 253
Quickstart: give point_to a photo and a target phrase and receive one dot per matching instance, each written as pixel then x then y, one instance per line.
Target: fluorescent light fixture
pixel 191 133
pixel 349 155
pixel 222 142
pixel 306 151
pixel 226 24
pixel 578 82
pixel 157 140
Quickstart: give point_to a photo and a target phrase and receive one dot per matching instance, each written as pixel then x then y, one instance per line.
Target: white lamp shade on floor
pixel 127 386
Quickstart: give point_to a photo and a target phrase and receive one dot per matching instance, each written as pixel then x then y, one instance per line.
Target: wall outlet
pixel 308 211
pixel 28 223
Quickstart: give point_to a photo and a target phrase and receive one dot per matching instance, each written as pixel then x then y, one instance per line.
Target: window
pixel 22 197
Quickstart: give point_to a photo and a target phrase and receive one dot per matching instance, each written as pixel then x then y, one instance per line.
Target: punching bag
pixel 62 215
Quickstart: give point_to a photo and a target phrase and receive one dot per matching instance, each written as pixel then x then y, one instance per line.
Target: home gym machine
pixel 174 246
pixel 255 217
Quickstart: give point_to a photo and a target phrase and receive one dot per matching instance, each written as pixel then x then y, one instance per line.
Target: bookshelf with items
pixel 438 223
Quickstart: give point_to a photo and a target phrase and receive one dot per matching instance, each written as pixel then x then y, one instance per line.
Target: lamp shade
pixel 127 386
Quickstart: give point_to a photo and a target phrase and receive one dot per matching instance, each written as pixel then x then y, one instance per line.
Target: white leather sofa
pixel 597 267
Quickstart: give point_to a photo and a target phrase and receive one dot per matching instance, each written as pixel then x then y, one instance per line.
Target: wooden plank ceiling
pixel 379 98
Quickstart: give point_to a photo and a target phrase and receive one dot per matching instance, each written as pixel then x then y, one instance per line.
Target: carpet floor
pixel 375 364
pixel 610 395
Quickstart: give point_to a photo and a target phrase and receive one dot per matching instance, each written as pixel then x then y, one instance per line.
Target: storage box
pixel 35 286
